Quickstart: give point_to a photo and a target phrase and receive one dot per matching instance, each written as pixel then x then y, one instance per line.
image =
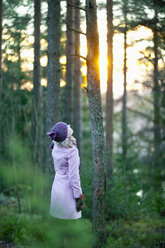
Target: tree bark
pixel 124 107
pixel 1 76
pixel 53 74
pixel 69 64
pixel 78 96
pixel 156 91
pixel 37 101
pixel 96 123
pixel 109 96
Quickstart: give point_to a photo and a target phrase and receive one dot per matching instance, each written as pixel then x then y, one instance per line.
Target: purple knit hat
pixel 59 132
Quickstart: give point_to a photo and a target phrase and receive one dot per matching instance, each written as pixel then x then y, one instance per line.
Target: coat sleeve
pixel 73 172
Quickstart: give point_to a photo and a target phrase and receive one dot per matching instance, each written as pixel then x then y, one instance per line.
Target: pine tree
pixel 156 24
pixel 69 63
pixel 14 78
pixel 124 103
pixel 96 122
pixel 53 73
pixel 0 75
pixel 37 100
pixel 78 92
pixel 109 95
pixel 156 92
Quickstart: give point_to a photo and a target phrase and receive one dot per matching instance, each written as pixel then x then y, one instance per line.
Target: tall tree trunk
pixel 124 107
pixel 69 64
pixel 19 60
pixel 163 107
pixel 53 74
pixel 156 90
pixel 109 96
pixel 78 96
pixel 1 76
pixel 37 103
pixel 96 122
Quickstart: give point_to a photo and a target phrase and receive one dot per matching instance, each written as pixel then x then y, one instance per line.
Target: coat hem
pixel 58 217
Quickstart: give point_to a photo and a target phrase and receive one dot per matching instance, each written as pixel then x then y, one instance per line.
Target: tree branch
pixel 78 55
pixel 147 58
pixel 140 113
pixel 77 31
pixel 75 6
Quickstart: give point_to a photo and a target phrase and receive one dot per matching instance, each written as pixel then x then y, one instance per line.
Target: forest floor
pixel 19 230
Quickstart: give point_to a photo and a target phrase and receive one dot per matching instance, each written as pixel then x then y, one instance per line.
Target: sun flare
pixel 136 70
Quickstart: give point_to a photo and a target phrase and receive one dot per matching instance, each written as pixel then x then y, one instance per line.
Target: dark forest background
pixel 124 137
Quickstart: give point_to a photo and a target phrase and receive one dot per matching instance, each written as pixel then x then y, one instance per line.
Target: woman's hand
pixel 79 203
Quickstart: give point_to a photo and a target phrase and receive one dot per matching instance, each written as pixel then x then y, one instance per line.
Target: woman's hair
pixel 68 142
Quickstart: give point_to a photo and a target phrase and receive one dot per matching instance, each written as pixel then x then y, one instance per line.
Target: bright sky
pixel 136 70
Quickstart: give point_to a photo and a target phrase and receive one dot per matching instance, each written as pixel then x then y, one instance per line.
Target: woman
pixel 66 194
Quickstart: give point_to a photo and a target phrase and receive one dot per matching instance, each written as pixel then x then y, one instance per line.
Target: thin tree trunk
pixel 78 96
pixel 157 136
pixel 163 107
pixel 36 107
pixel 69 65
pixel 19 61
pixel 53 74
pixel 96 122
pixel 109 96
pixel 124 107
pixel 1 76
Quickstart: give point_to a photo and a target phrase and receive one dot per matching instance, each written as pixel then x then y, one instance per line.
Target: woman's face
pixel 70 131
